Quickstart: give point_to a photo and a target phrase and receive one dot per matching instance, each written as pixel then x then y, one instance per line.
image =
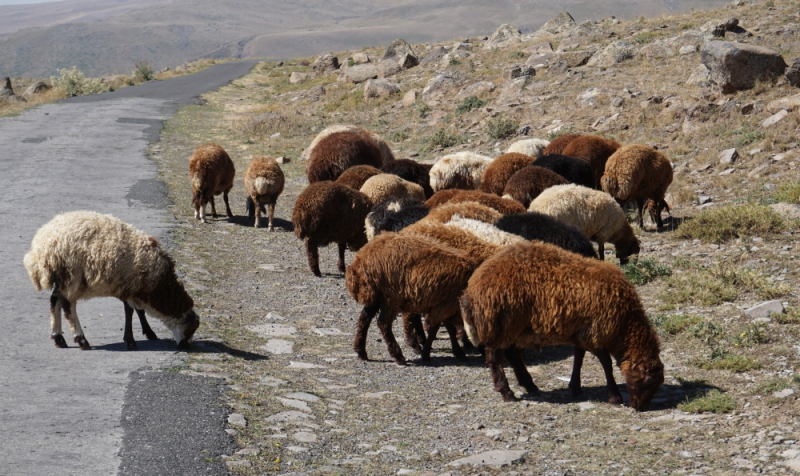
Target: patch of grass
pixel 442 138
pixel 771 386
pixel 747 136
pixel 707 331
pixel 722 360
pixel 750 280
pixel 454 61
pixel 289 125
pixel 398 135
pixel 791 316
pixel 712 401
pixel 422 109
pixel 499 128
pixel 645 270
pixel 517 55
pixel 675 323
pixel 697 287
pixel 726 223
pixel 646 37
pixel 469 103
pixel 788 192
pixel 348 101
pixel 753 334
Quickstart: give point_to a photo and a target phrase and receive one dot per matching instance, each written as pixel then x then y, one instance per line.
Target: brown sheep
pixel 263 181
pixel 354 177
pixel 409 274
pixel 337 152
pixel 639 172
pixel 534 294
pixel 558 144
pixel 386 153
pixel 382 187
pixel 328 212
pixel 502 205
pixel 531 181
pixel 211 171
pixel 595 150
pixel 501 169
pixel 474 210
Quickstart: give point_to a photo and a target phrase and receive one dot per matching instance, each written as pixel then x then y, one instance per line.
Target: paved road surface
pixel 60 409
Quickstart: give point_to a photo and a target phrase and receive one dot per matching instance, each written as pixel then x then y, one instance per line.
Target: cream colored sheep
pixel 531 147
pixel 82 254
pixel 461 170
pixel 593 212
pixel 382 187
pixel 485 231
pixel 386 152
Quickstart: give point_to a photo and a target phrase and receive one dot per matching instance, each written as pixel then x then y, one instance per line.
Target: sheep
pixel 537 226
pixel 531 147
pixel 501 169
pixel 354 177
pixel 529 182
pixel 411 274
pixel 594 213
pixel 502 205
pixel 638 172
pixel 386 152
pixel 473 210
pixel 339 151
pixel 484 231
pixel 571 168
pixel 83 254
pixel 536 294
pixel 557 145
pixel 412 171
pixel 328 212
pixel 263 181
pixel 594 150
pixel 211 172
pixel 401 219
pixel 381 187
pixel 382 211
pixel 461 170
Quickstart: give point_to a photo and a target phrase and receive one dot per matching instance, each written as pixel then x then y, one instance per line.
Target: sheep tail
pixel 197 199
pixel 261 185
pixel 38 275
pixel 466 316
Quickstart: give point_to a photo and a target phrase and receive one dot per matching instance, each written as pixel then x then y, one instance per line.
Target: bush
pixel 675 323
pixel 499 128
pixel 75 83
pixel 143 72
pixel 712 401
pixel 645 270
pixel 442 138
pixel 470 103
pixel 725 223
pixel 788 192
pixel 723 360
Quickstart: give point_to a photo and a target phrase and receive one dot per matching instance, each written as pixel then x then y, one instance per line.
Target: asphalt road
pixel 61 409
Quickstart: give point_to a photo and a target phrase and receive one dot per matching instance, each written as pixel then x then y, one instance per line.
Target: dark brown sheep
pixel 502 205
pixel 595 150
pixel 500 170
pixel 211 171
pixel 412 171
pixel 531 181
pixel 337 152
pixel 354 177
pixel 263 181
pixel 535 294
pixel 328 212
pixel 575 170
pixel 558 144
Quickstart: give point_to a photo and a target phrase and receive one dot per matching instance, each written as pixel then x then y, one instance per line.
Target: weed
pixel 454 61
pixel 749 136
pixel 422 109
pixel 788 192
pixel 645 270
pixel 791 316
pixel 675 323
pixel 753 334
pixel 516 55
pixel 348 101
pixel 693 384
pixel 442 138
pixel 143 72
pixel 749 280
pixel 723 360
pixel 646 37
pixel 75 83
pixel 712 401
pixel 551 136
pixel 469 103
pixel 771 386
pixel 398 135
pixel 350 62
pixel 499 128
pixel 706 331
pixel 697 287
pixel 735 221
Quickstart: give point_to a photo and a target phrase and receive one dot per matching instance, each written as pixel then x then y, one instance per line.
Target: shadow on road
pixel 197 347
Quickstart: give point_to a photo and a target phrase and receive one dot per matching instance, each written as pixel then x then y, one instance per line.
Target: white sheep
pixel 382 187
pixel 593 212
pixel 386 152
pixel 531 147
pixel 485 231
pixel 461 170
pixel 83 254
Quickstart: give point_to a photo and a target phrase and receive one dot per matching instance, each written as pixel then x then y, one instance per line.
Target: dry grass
pixel 718 225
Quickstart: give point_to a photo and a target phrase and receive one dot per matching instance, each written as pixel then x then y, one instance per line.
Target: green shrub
pixel 143 72
pixel 725 223
pixel 723 360
pixel 422 109
pixel 645 270
pixel 771 386
pixel 468 104
pixel 442 138
pixel 75 83
pixel 788 192
pixel 712 401
pixel 753 334
pixel 454 61
pixel 499 128
pixel 675 323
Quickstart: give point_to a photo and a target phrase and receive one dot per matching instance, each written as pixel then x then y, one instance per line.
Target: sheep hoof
pixel 316 272
pixel 401 361
pixel 82 342
pixel 271 228
pixel 257 224
pixel 509 397
pixel 183 345
pixel 615 399
pixel 132 345
pixel 60 342
pixel 362 354
pixel 150 335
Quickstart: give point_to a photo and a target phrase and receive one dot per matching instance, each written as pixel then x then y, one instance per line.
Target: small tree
pixel 143 72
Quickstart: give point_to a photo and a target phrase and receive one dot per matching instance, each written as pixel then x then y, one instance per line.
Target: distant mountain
pixel 104 36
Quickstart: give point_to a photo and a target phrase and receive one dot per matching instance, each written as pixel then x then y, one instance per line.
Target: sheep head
pixel 626 248
pixel 643 380
pixel 185 328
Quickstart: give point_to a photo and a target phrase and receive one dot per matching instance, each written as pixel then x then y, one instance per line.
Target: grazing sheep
pixel 82 254
pixel 412 171
pixel 594 150
pixel 502 205
pixel 575 170
pixel 328 212
pixel 501 169
pixel 525 185
pixel 485 231
pixel 354 177
pixel 337 152
pixel 263 181
pixel 537 226
pixel 536 294
pixel 403 218
pixel 530 147
pixel 386 152
pixel 461 170
pixel 473 210
pixel 211 172
pixel 557 145
pixel 382 211
pixel 409 274
pixel 638 172
pixel 594 213
pixel 382 187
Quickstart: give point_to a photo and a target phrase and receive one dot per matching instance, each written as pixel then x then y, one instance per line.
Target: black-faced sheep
pixel 409 274
pixel 638 172
pixel 386 152
pixel 354 177
pixel 412 171
pixel 536 294
pixel 501 169
pixel 502 205
pixel 530 147
pixel 557 145
pixel 388 216
pixel 528 183
pixel 263 181
pixel 575 170
pixel 461 170
pixel 82 254
pixel 337 152
pixel 537 226
pixel 594 150
pixel 382 187
pixel 211 171
pixel 594 213
pixel 328 212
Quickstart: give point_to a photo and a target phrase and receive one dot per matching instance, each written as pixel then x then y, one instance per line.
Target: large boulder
pixel 398 48
pixel 502 36
pixel 379 88
pixel 441 85
pixel 298 77
pixel 36 88
pixel 615 52
pixel 656 50
pixel 561 23
pixel 359 73
pixel 734 66
pixel 435 55
pixel 398 56
pixel 325 64
pixel 586 32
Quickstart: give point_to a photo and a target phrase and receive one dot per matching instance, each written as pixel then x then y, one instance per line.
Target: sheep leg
pixel 458 352
pixel 202 212
pixel 639 218
pixel 465 343
pixel 614 396
pixel 433 329
pixel 515 359
pixel 385 321
pixel 128 335
pixel 362 326
pixel 341 265
pixel 227 205
pixel 412 328
pixel 55 321
pixel 313 257
pixel 575 379
pixel 213 207
pixel 71 313
pixel 146 330
pixel 601 251
pixel 494 359
pixel 271 214
pixel 256 214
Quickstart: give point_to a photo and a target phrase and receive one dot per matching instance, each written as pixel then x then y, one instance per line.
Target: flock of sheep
pixel 497 249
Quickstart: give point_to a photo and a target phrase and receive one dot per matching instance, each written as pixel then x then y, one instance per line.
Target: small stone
pixel 405 471
pixel 278 346
pixel 494 459
pixel 304 365
pixel 289 416
pixel 765 308
pixel 298 77
pixel 728 156
pixel 297 449
pixel 303 396
pixel 636 428
pixel 586 406
pixel 305 437
pixel 783 393
pixel 677 439
pixel 238 420
pixel 704 199
pixel 688 454
pixel 231 431
pixel 775 118
pixel 410 98
pixel 779 439
pixel 283 160
pixel 688 50
pixel 274 330
pixel 238 464
pixel 298 404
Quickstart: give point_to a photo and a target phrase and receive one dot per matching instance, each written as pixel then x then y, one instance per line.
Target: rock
pixel 325 63
pixel 728 156
pixel 305 437
pixel 328 331
pixel 687 50
pixel 790 104
pixel 7 90
pixel 793 73
pixel 656 50
pixel 516 71
pixel 379 88
pixel 274 330
pixel 435 55
pixel 734 66
pixel 688 454
pixel 783 393
pixel 541 60
pixel 297 449
pixel 289 416
pixel 307 397
pixel 714 27
pixel 407 61
pixel 36 88
pixel 586 406
pixel 388 68
pixel 303 365
pixel 360 58
pixel 616 52
pixel 502 36
pixel 303 63
pixel 478 89
pixel 513 89
pixel 588 98
pixel 440 85
pixel 562 22
pixel 238 464
pixel 775 118
pixel 765 308
pixel 751 107
pixel 238 420
pixel 494 459
pixel 575 58
pixel 298 404
pixel 701 76
pixel 398 48
pixel 586 32
pixel 298 77
pixel 410 98
pixel 461 46
pixel 278 346
pixel 702 199
pixel 545 47
pixel 359 73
